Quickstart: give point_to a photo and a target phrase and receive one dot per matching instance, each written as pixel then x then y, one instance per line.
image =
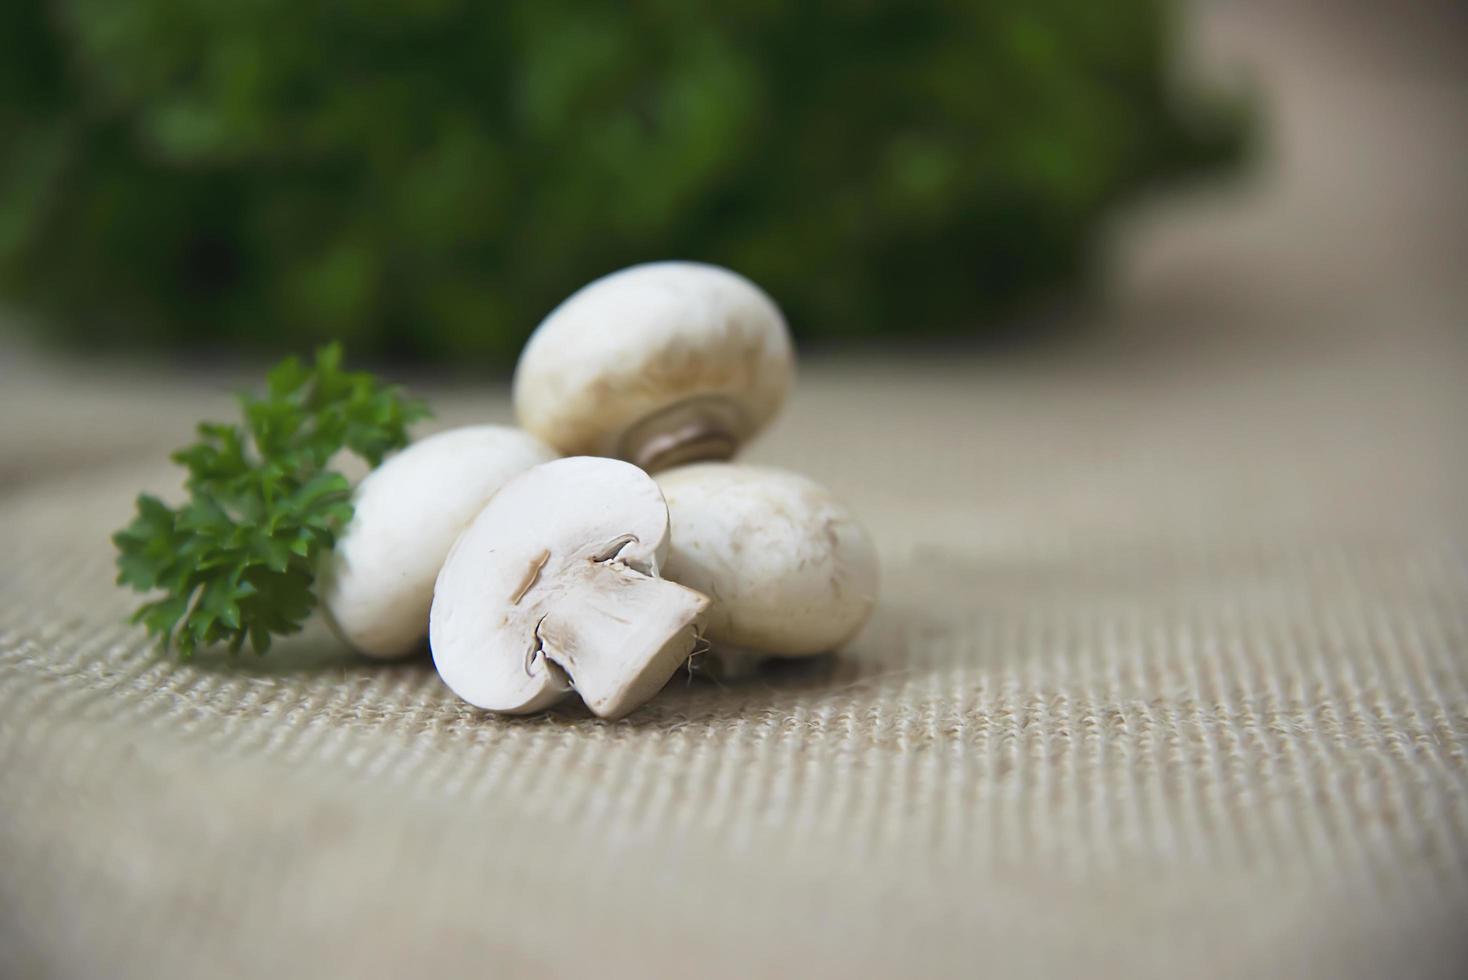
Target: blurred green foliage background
pixel 429 177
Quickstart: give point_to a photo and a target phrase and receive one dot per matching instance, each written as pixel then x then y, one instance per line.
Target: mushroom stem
pixel 698 429
pixel 622 635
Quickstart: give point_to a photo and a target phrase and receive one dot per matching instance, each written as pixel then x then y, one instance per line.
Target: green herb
pixel 238 560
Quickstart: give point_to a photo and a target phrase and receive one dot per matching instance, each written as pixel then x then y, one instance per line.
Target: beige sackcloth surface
pixel 1169 675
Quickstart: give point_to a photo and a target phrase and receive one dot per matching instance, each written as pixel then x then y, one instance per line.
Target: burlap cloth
pixel 1169 677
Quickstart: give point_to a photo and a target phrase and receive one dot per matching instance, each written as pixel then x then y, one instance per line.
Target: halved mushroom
pixel 659 364
pixel 790 571
pixel 377 582
pixel 555 586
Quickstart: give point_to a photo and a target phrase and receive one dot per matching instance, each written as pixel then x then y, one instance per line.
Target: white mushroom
pixel 789 570
pixel 555 586
pixel 377 583
pixel 659 364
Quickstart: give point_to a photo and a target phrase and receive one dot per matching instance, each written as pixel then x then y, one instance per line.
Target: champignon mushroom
pixel 789 570
pixel 555 586
pixel 377 582
pixel 659 364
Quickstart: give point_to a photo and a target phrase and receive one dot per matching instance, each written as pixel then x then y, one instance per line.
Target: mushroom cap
pixel 377 582
pixel 555 585
pixel 644 340
pixel 789 570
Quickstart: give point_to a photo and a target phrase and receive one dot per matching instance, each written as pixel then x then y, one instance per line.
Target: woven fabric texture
pixel 1169 676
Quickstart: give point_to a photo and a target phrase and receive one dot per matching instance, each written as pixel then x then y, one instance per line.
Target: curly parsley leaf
pixel 236 562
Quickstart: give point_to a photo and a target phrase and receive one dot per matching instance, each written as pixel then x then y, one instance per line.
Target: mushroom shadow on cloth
pixel 887 655
pixel 774 684
pixel 314 652
pixel 325 670
pixel 322 671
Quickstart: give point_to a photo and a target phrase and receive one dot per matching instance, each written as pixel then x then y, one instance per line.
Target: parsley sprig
pixel 237 561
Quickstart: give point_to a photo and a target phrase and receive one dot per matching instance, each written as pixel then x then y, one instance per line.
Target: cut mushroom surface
pixel 556 586
pixel 788 569
pixel 659 364
pixel 377 582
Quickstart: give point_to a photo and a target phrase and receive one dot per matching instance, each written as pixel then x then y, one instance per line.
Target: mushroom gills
pixel 698 429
